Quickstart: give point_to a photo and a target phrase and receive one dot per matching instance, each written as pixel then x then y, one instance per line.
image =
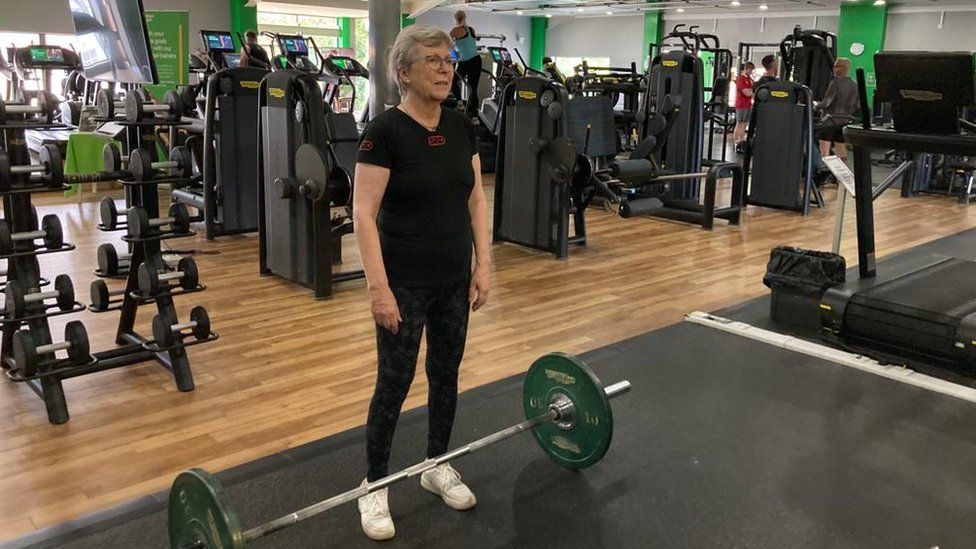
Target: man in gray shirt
pixel 838 107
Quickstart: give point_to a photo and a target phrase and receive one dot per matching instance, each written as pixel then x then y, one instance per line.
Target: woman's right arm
pixel 371 181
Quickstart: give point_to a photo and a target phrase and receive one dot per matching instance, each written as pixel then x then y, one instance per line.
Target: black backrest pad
pixel 778 145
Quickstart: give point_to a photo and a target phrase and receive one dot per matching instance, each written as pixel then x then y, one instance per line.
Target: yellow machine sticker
pixel 779 94
pixel 250 84
pixel 16 141
pixel 277 93
pixel 669 63
pixel 825 307
pixel 527 95
pixel 560 377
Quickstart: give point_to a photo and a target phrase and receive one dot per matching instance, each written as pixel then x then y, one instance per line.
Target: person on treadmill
pixel 419 209
pixel 550 68
pixel 839 105
pixel 771 66
pixel 469 62
pixel 254 54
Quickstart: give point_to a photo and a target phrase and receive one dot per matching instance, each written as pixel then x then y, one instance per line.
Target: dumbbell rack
pixel 132 346
pixel 24 269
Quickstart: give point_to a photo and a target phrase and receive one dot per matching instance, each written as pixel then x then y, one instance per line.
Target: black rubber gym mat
pixel 722 442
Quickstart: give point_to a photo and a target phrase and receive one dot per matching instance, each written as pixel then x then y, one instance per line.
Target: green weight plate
pixel 587 439
pixel 200 512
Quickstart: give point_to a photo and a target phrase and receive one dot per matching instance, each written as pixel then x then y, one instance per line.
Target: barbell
pixel 566 408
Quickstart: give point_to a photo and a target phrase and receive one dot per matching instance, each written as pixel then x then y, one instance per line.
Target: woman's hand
pixel 386 313
pixel 480 288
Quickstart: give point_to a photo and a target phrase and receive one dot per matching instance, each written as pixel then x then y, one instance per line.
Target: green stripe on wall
pixel 862 24
pixel 537 44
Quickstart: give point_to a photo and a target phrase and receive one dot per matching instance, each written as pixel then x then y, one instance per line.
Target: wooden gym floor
pixel 288 369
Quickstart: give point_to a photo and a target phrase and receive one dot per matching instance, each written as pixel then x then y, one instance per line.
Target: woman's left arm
pixel 478 208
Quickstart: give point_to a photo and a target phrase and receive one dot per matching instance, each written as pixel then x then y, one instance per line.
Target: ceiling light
pixel 609 13
pixel 548 16
pixel 763 7
pixel 680 10
pixel 520 12
pixel 579 9
pixel 879 2
pixel 736 3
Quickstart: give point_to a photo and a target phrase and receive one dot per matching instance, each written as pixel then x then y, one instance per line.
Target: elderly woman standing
pixel 419 209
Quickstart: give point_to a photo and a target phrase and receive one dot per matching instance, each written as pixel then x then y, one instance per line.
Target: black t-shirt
pixel 424 222
pixel 257 53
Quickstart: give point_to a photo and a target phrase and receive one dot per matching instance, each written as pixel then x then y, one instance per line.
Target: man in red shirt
pixel 743 103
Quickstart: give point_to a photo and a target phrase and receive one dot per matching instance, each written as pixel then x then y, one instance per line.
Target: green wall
pixel 345 33
pixel 537 44
pixel 653 30
pixel 862 24
pixel 406 21
pixel 242 18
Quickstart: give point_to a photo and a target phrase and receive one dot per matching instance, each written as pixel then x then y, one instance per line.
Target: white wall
pixel 920 31
pixel 619 38
pixel 512 26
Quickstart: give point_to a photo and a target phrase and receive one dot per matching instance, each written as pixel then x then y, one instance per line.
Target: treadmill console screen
pixel 293 45
pixel 218 41
pixel 500 55
pixel 46 55
pixel 233 60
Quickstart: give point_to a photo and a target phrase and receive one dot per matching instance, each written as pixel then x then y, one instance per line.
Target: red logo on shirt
pixel 436 141
pixel 366 145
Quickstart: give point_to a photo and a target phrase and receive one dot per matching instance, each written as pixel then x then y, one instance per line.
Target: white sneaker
pixel 374 514
pixel 444 481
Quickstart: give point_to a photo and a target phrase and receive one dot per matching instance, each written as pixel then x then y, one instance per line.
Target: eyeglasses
pixel 434 62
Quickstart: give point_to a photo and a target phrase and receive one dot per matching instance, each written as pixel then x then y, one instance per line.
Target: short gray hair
pixel 404 50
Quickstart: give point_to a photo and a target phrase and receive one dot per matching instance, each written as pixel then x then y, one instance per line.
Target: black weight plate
pixel 175 104
pixel 148 279
pixel 105 104
pixel 111 157
pixel 108 259
pixel 50 156
pixel 25 352
pixel 137 222
pixel 133 108
pixel 184 162
pixel 77 336
pixel 5 175
pixel 181 217
pixel 162 330
pixel 109 213
pixel 53 233
pixel 555 110
pixel 199 315
pixel 66 292
pixel 6 237
pixel 99 295
pixel 140 164
pixel 191 277
pixel 14 299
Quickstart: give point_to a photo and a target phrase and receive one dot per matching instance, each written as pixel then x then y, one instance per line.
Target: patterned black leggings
pixel 444 312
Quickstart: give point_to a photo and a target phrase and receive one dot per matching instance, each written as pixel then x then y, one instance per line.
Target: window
pixel 567 64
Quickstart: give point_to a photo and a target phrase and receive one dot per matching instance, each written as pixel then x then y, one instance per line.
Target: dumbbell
pixel 165 332
pixel 50 168
pixel 18 299
pixel 152 282
pixel 141 166
pixel 43 107
pixel 106 104
pixel 139 223
pixel 171 108
pixel 50 231
pixel 110 262
pixel 109 214
pixel 101 296
pixel 27 352
pixel 112 158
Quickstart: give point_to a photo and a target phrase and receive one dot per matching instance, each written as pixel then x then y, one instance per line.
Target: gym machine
pixel 781 149
pixel 228 194
pixel 301 185
pixel 567 409
pixel 338 72
pixel 37 63
pixel 923 308
pixel 808 59
pixel 534 167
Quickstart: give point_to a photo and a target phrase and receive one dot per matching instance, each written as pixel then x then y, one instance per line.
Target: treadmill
pixel 921 309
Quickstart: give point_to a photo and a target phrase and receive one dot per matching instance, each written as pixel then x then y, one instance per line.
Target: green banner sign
pixel 170 43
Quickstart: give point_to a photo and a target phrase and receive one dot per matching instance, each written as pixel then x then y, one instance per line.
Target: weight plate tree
pixel 567 409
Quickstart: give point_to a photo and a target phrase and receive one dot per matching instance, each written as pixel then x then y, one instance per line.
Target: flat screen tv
pixel 112 41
